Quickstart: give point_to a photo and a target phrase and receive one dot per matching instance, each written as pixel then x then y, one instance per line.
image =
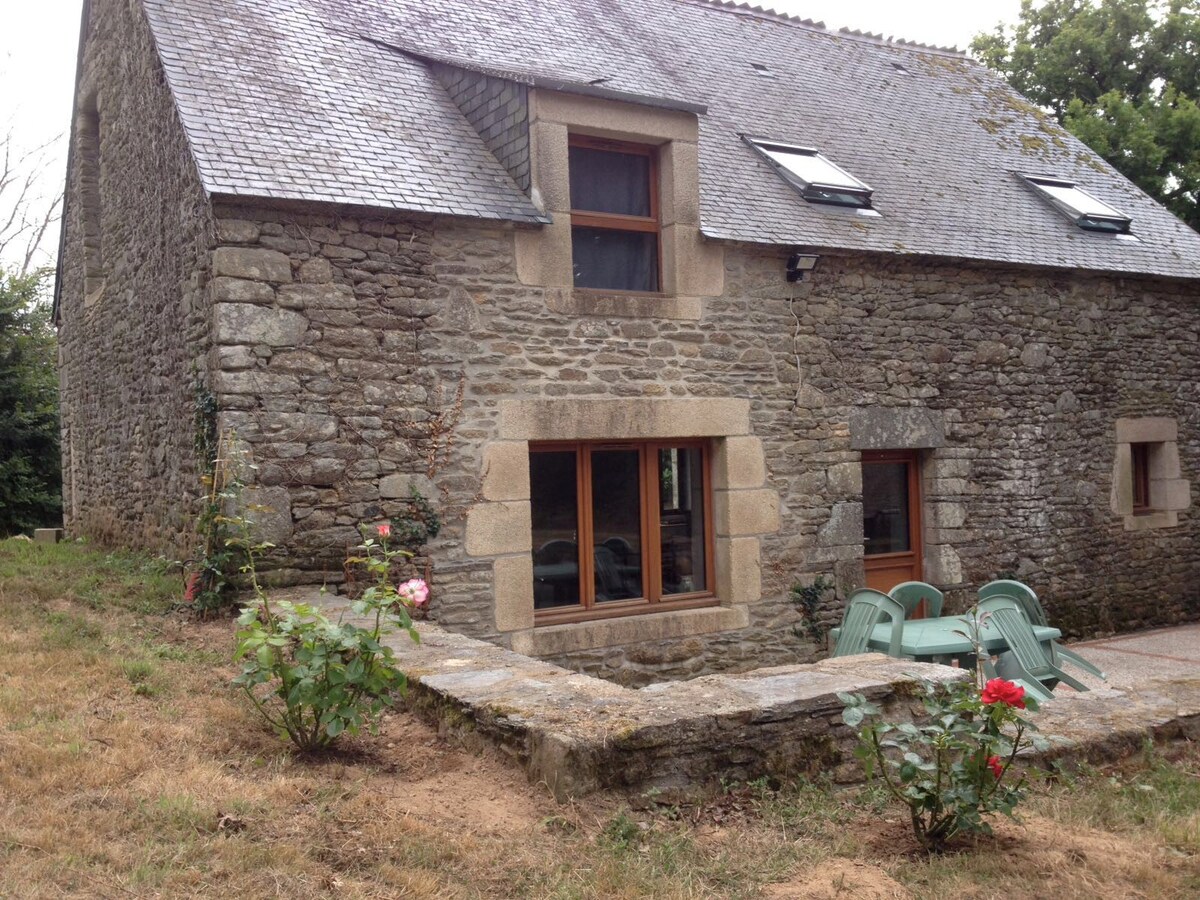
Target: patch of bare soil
pixel 841 879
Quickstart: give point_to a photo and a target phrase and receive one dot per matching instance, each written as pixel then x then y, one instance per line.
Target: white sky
pixel 38 46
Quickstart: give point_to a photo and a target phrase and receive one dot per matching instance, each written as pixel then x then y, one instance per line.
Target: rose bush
pixel 951 772
pixel 312 679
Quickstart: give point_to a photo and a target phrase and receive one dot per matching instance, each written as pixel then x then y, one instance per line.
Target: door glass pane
pixel 885 508
pixel 555 508
pixel 610 260
pixel 681 513
pixel 608 181
pixel 617 524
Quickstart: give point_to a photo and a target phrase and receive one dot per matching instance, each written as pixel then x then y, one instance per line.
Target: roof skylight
pixel 1078 205
pixel 818 179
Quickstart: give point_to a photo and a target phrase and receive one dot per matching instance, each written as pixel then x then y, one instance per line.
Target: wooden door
pixel 891 518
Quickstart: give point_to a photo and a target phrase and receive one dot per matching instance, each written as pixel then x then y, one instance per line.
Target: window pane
pixel 555 508
pixel 885 508
pixel 609 182
pixel 615 260
pixel 811 168
pixel 617 524
pixel 681 513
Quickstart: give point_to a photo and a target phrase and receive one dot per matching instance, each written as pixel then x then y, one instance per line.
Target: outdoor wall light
pixel 799 263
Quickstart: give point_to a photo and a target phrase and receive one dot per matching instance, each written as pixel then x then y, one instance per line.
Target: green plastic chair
pixel 1025 662
pixel 1028 601
pixel 910 594
pixel 864 609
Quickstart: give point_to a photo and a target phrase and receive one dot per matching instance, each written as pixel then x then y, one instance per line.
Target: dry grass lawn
pixel 128 767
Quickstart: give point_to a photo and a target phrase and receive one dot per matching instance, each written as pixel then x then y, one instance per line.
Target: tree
pixel 25 217
pixel 30 467
pixel 1121 75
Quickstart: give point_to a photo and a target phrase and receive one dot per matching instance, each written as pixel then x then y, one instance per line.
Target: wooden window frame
pixel 651 528
pixel 582 218
pixel 1139 454
pixel 912 459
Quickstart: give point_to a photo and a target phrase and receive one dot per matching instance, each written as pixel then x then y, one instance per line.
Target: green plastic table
pixel 935 639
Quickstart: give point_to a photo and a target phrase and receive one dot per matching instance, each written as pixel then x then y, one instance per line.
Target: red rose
pixel 192 588
pixel 995 765
pixel 1000 691
pixel 385 530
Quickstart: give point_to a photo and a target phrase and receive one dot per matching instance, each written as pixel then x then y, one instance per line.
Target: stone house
pixel 731 300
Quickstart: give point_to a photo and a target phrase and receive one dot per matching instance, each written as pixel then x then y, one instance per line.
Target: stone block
pixel 746 512
pixel 551 182
pixel 612 118
pixel 1121 498
pixel 1170 494
pixel 317 296
pixel 497 528
pixel 739 463
pixel 317 270
pixel 543 255
pixel 252 263
pixel 844 528
pixel 1147 430
pixel 240 290
pixel 896 428
pixel 679 162
pixel 693 266
pixel 844 480
pixel 512 579
pixel 506 470
pixel 237 231
pixel 739 570
pixel 269 511
pixel 943 565
pixel 235 323
pixel 631 419
pixel 553 640
pixel 946 515
pixel 254 382
pixel 582 302
pixel 400 486
pixel 47 535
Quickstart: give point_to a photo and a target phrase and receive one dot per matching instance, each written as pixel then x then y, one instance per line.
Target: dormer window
pixel 1079 206
pixel 816 178
pixel 614 214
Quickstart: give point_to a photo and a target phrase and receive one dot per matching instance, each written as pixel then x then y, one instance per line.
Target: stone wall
pixel 132 297
pixel 359 356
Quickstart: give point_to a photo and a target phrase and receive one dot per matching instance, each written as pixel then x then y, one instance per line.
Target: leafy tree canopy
pixel 30 474
pixel 1121 75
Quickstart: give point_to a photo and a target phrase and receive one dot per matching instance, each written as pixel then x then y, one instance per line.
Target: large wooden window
pixel 614 215
pixel 642 514
pixel 1141 478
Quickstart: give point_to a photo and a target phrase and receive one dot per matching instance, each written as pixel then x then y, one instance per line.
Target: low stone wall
pixel 679 740
pixel 580 734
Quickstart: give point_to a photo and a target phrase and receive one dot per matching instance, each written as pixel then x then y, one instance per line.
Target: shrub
pixel 952 772
pixel 312 679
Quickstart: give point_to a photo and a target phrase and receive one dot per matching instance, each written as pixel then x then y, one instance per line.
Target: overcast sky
pixel 38 45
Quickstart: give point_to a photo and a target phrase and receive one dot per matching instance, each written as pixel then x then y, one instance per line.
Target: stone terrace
pixel 580 734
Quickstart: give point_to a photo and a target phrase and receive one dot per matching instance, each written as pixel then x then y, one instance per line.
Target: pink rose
pixel 414 592
pixel 385 530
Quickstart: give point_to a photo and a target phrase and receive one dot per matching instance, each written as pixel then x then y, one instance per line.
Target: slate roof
pixel 312 99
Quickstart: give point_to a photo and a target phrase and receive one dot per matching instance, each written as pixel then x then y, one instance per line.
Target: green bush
pixel 952 772
pixel 312 679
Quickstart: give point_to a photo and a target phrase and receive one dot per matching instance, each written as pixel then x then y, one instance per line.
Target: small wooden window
pixel 615 230
pixel 1141 478
pixel 644 510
